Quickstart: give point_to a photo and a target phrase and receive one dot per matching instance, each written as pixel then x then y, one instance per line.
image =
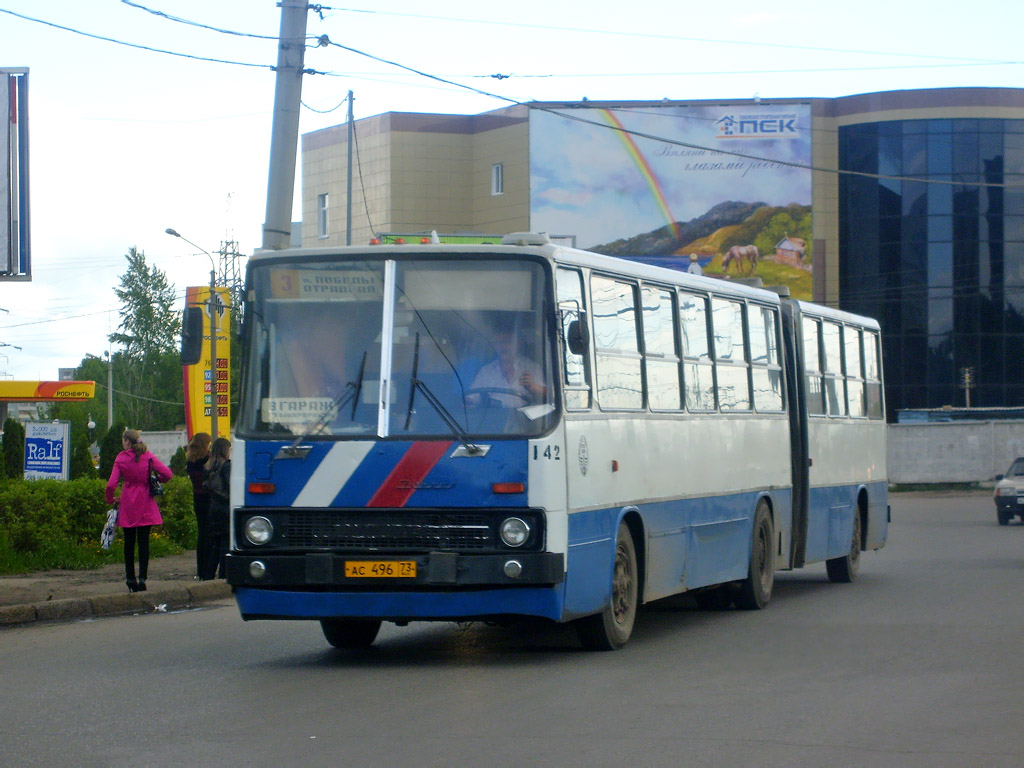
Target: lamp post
pixel 213 305
pixel 110 390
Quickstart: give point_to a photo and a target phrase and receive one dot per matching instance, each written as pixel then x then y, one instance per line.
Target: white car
pixel 1009 496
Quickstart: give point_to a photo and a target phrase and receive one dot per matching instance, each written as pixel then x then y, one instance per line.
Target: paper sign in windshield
pixel 297 410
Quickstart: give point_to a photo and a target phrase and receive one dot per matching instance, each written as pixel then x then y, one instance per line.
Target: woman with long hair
pixel 218 483
pixel 137 511
pixel 196 456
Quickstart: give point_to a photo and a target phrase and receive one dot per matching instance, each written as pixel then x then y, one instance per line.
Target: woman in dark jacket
pixel 218 484
pixel 196 456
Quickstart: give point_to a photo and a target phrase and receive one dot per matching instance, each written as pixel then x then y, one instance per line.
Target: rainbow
pixel 645 169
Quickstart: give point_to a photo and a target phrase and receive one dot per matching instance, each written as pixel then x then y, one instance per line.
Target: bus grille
pixel 391 532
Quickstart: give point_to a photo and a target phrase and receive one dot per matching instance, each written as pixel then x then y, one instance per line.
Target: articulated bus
pixel 487 432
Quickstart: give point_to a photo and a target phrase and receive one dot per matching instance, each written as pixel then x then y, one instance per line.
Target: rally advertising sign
pixel 47 449
pixel 203 389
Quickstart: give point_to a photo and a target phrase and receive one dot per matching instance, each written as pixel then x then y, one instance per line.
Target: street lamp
pixel 213 306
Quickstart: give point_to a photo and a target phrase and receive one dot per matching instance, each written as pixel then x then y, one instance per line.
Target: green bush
pixel 56 524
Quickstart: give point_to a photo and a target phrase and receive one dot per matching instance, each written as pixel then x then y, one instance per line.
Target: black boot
pixel 133 585
pixel 142 585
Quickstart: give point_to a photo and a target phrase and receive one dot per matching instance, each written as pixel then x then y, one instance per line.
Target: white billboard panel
pixel 14 232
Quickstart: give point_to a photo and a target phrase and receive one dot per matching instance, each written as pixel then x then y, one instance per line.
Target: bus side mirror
pixel 578 337
pixel 191 335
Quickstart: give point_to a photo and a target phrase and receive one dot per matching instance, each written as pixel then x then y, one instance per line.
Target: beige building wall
pixel 325 171
pixel 416 173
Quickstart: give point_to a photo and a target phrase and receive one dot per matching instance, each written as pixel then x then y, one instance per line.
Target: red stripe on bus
pixel 408 473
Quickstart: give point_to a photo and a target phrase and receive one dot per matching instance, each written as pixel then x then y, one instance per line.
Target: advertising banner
pixel 727 188
pixel 46 391
pixel 203 389
pixel 47 449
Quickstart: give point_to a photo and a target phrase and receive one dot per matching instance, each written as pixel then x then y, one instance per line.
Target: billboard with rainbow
pixel 728 187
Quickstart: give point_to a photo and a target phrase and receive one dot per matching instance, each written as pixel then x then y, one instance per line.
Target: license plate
pixel 389 569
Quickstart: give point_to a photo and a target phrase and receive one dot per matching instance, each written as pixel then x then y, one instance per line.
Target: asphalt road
pixel 915 664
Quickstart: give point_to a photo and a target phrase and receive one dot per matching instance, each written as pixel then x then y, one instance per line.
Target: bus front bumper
pixel 447 586
pixel 436 569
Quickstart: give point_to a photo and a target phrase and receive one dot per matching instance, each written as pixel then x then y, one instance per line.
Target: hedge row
pixel 47 524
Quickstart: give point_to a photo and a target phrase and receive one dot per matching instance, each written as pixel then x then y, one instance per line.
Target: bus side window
pixel 835 396
pixel 766 368
pixel 698 373
pixel 619 379
pixel 854 371
pixel 661 360
pixel 731 368
pixel 873 376
pixel 812 366
pixel 569 284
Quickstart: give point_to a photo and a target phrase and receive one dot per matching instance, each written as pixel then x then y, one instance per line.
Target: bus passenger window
pixel 730 358
pixel 660 358
pixel 835 396
pixel 619 381
pixel 569 285
pixel 873 376
pixel 766 369
pixel 812 366
pixel 698 378
pixel 854 371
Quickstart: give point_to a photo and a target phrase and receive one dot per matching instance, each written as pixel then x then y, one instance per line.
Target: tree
pixel 148 386
pixel 14 448
pixel 81 457
pixel 110 446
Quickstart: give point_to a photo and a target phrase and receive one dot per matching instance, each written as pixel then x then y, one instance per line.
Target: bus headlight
pixel 258 530
pixel 514 532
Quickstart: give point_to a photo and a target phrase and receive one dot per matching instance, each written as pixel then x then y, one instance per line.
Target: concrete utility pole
pixel 348 193
pixel 284 137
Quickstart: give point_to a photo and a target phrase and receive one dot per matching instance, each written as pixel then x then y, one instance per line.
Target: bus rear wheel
pixel 610 629
pixel 350 633
pixel 756 590
pixel 843 570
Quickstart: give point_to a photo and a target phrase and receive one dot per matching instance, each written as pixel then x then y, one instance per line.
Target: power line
pixel 134 45
pixel 657 36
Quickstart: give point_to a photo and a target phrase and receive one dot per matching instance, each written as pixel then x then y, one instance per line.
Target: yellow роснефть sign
pixel 46 391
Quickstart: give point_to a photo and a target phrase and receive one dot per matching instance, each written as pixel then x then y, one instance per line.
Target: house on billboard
pixel 791 251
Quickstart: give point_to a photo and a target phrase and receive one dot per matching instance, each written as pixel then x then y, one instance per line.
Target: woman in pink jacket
pixel 137 511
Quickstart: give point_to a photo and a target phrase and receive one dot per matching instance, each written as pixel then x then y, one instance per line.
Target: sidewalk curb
pixel 112 605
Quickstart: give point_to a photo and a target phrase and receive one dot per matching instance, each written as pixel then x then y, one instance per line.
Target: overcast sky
pixel 126 142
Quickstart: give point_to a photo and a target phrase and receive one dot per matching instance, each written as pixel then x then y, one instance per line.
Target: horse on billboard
pixel 739 254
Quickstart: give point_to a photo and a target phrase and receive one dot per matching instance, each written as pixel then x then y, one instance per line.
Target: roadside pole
pixel 284 137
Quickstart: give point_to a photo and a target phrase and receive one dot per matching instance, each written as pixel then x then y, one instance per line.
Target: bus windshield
pixel 430 348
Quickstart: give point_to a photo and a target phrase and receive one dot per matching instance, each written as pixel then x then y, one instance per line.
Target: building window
pixel 497 179
pixel 321 215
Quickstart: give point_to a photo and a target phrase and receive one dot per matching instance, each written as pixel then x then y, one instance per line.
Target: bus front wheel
pixel 756 590
pixel 610 629
pixel 350 633
pixel 843 570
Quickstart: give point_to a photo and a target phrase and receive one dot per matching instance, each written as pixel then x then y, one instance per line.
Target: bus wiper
pixel 472 449
pixel 359 386
pixel 416 384
pixel 337 404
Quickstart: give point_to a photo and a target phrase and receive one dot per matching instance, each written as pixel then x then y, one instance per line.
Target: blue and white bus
pixel 484 432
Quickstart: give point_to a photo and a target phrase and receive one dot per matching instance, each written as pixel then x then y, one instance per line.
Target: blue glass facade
pixel 936 253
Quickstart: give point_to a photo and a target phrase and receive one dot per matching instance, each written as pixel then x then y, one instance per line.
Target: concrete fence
pixel 953 452
pixel 165 444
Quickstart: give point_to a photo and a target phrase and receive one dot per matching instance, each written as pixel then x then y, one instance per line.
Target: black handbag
pixel 156 488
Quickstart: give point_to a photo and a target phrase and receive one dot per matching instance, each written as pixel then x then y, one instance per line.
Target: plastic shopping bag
pixel 109 529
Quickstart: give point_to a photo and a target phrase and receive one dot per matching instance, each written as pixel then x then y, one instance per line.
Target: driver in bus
pixel 510 379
